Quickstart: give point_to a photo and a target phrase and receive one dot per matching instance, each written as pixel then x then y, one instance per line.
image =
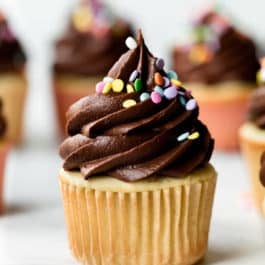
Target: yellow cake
pixel 162 220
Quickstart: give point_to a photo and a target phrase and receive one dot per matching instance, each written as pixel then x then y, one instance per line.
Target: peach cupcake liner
pixel 151 222
pixel 13 90
pixel 252 142
pixel 69 89
pixel 223 108
pixel 4 150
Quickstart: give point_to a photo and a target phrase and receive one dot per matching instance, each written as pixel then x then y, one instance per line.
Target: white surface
pixel 33 232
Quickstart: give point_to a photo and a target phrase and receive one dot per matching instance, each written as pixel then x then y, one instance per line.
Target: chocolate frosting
pixel 256 109
pixel 12 57
pixel 91 53
pixel 228 54
pixel 262 169
pixel 136 142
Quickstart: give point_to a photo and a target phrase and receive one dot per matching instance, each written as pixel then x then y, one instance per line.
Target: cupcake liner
pixel 4 149
pixel 223 108
pixel 252 150
pixel 167 225
pixel 67 90
pixel 13 89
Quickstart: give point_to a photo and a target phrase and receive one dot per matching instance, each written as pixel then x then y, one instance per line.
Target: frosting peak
pixel 12 56
pixel 141 123
pixel 139 60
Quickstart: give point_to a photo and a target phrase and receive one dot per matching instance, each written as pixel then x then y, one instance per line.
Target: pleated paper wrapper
pixel 13 90
pixel 164 226
pixel 252 150
pixel 4 150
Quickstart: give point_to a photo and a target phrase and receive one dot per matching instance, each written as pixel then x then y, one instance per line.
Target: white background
pixel 32 232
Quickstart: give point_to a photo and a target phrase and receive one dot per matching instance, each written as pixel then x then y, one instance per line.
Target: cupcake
pixel 4 149
pixel 88 48
pixel 219 65
pixel 136 183
pixel 252 136
pixel 13 85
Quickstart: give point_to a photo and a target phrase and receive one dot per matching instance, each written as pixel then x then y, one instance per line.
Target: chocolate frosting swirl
pixel 228 56
pixel 262 169
pixel 12 57
pixel 85 53
pixel 136 142
pixel 256 108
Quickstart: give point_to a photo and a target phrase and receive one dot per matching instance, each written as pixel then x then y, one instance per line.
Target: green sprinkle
pixel 138 84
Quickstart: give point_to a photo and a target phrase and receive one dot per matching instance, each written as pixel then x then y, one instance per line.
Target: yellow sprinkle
pixel 107 88
pixel 200 54
pixel 129 88
pixel 82 18
pixel 194 136
pixel 176 82
pixel 128 103
pixel 117 85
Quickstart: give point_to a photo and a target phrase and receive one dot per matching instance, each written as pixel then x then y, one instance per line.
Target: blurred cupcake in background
pixel 93 41
pixel 13 84
pixel 4 150
pixel 252 136
pixel 219 65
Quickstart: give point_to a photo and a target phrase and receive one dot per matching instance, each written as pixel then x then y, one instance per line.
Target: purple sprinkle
pixel 133 76
pixel 160 63
pixel 170 92
pixel 191 104
pixel 166 82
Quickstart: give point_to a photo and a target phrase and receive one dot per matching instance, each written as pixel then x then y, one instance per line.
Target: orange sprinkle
pixel 159 79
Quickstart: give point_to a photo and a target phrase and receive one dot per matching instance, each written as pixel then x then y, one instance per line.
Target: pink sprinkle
pixel 100 87
pixel 156 97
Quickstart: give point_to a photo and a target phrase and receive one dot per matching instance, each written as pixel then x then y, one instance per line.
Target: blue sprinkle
pixel 182 101
pixel 172 75
pixel 144 96
pixel 159 90
pixel 183 137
